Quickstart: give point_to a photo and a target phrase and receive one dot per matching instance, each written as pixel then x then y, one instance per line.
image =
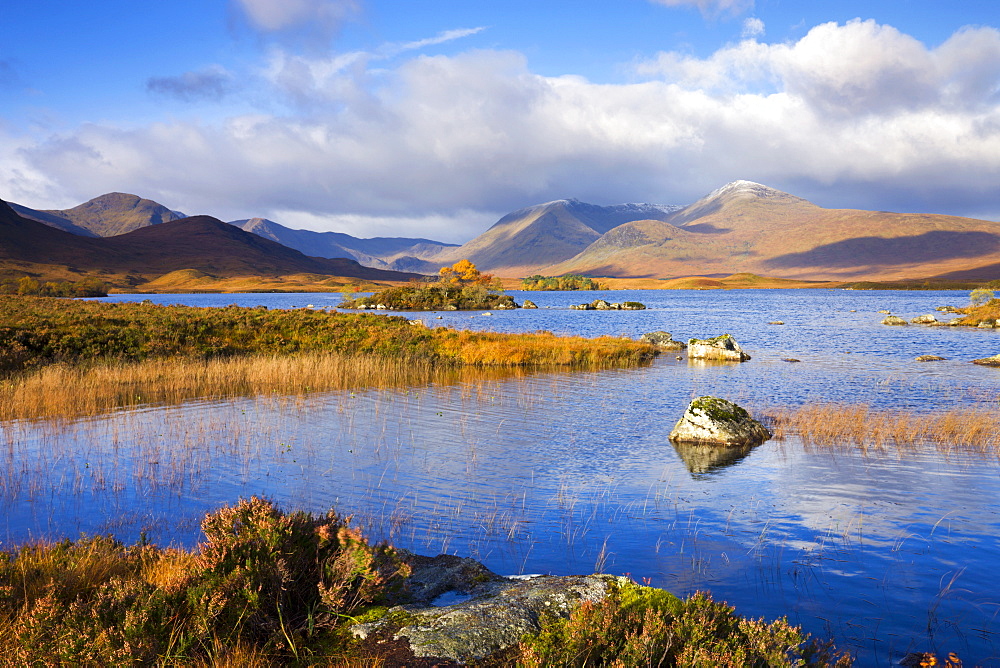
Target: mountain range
pixel 199 243
pixel 740 227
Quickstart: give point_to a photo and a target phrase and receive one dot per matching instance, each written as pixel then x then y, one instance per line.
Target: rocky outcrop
pixel 602 305
pixel 893 320
pixel 497 613
pixel 662 340
pixel 926 319
pixel 988 361
pixel 723 347
pixel 718 421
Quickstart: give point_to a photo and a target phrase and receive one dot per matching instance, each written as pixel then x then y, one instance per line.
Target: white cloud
pixel 752 27
pixel 712 7
pixel 277 15
pixel 850 115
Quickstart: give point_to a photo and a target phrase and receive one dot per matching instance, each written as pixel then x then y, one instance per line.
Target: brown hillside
pixel 747 227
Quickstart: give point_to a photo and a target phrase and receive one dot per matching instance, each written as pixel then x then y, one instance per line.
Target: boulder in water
pixel 718 421
pixel 723 347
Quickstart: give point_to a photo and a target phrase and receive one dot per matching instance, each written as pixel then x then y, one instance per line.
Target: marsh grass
pixel 973 431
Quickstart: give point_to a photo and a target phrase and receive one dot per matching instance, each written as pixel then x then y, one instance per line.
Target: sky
pixel 434 119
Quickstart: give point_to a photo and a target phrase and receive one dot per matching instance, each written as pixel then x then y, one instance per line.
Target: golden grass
pixel 66 390
pixel 541 349
pixel 850 426
pixel 192 280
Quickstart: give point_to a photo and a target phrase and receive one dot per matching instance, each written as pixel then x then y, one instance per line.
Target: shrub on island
pixel 460 287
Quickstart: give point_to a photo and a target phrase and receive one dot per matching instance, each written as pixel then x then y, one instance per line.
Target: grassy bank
pixel 38 332
pixel 273 588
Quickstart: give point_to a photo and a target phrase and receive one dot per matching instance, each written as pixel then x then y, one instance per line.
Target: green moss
pixel 719 409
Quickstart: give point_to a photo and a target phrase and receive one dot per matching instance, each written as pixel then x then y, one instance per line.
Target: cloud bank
pixel 855 114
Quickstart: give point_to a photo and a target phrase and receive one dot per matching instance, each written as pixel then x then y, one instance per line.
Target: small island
pixel 460 287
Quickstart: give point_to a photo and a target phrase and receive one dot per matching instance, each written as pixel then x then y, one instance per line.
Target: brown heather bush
pixel 261 588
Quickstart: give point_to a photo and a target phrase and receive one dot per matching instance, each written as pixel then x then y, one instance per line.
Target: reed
pixel 859 426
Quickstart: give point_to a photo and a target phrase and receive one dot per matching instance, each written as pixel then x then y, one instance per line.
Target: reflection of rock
pixel 723 347
pixel 718 421
pixel 707 457
pixel 662 340
pixel 893 320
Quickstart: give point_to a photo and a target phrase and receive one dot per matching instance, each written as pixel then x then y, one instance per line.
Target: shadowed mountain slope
pixel 200 242
pixel 378 252
pixel 748 227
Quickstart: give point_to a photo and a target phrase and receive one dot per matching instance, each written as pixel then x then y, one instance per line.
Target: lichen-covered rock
pixel 926 319
pixel 497 618
pixel 930 358
pixel 600 305
pixel 581 307
pixel 718 421
pixel 988 361
pixel 662 340
pixel 893 320
pixel 633 306
pixel 528 304
pixel 723 347
pixel 986 324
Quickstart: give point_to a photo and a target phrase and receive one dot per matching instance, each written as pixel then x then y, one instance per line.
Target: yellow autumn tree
pixel 464 272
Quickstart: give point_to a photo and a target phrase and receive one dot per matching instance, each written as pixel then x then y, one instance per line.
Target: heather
pixel 37 332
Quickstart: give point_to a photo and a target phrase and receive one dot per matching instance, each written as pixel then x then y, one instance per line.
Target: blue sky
pixel 378 117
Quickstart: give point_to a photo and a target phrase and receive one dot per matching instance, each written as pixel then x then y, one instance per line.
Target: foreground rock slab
pixel 500 612
pixel 723 347
pixel 720 422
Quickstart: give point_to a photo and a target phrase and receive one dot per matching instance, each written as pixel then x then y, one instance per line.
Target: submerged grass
pixel 841 426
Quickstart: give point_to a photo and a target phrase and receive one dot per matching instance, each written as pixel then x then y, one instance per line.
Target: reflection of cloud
pixel 712 7
pixel 856 115
pixel 209 84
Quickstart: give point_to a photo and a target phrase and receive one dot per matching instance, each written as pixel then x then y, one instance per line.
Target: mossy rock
pixel 719 421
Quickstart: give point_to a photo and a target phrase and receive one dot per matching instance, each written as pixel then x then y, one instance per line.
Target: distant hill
pixel 105 216
pixel 749 227
pixel 537 236
pixel 381 252
pixel 201 243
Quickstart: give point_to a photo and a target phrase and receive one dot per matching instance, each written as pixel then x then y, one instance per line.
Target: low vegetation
pixel 460 287
pixel 642 626
pixel 273 588
pixel 26 285
pixel 983 306
pixel 567 282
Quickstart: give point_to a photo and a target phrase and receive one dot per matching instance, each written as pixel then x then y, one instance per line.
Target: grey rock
pixel 790 359
pixel 893 320
pixel 498 615
pixel 718 421
pixel 529 304
pixel 723 347
pixel 926 319
pixel 600 305
pixel 930 358
pixel 581 307
pixel 633 306
pixel 986 324
pixel 884 312
pixel 663 340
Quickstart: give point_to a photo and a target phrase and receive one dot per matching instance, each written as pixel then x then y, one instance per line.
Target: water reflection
pixel 704 459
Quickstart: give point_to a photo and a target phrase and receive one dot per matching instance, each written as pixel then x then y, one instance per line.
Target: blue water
pixel 572 472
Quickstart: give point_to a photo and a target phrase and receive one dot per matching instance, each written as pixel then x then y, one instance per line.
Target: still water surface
pixel 571 472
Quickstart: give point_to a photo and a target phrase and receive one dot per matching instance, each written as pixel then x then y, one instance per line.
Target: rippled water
pixel 572 472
